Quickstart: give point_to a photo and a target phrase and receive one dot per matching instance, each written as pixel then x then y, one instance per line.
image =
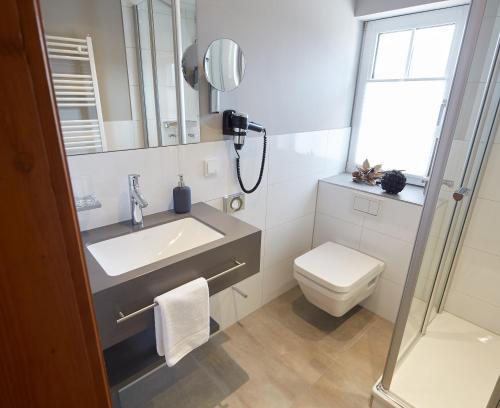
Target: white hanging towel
pixel 182 320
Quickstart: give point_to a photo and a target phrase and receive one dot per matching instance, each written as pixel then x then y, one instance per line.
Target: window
pixel 406 68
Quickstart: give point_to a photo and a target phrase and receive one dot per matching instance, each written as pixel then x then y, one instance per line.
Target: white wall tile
pixel 277 279
pixel 478 275
pixel 255 209
pixel 288 240
pixel 252 287
pixel 395 254
pixel 474 310
pixel 338 202
pixel 336 155
pixel 191 165
pixel 250 164
pixel 227 306
pixel 396 219
pixel 222 308
pixel 296 155
pixel 291 199
pixel 484 226
pixel 107 174
pixel 336 230
pixel 490 185
pixel 385 300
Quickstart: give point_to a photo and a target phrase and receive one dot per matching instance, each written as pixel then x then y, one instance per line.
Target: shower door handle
pixel 459 194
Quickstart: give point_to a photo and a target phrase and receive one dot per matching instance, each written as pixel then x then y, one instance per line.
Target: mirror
pixel 224 64
pixel 113 66
pixel 190 66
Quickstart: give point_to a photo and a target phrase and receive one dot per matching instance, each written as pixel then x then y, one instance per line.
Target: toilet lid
pixel 337 267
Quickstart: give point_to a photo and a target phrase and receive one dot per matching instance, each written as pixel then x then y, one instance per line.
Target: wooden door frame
pixel 50 350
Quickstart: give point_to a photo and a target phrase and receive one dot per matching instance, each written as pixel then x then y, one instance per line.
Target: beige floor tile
pixel 286 354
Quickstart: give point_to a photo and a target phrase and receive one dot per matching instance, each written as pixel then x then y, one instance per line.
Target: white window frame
pixel 452 15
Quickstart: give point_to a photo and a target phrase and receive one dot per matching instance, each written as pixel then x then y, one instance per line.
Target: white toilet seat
pixel 336 278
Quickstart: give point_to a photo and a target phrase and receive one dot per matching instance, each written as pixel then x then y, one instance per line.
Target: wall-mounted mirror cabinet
pixel 127 73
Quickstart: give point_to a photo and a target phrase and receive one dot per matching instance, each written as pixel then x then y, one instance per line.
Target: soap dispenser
pixel 182 197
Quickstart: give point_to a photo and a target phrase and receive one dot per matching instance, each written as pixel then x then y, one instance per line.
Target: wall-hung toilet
pixel 336 278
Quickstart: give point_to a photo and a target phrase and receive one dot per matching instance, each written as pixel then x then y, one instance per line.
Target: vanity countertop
pixel 232 228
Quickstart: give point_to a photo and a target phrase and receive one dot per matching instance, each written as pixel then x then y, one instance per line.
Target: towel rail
pixel 77 91
pixel 152 305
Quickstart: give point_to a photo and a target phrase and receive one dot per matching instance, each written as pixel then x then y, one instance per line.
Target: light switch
pixel 361 204
pixel 210 167
pixel 374 207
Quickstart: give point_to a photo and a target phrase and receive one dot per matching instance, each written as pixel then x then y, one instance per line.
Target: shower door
pixel 474 130
pixel 428 284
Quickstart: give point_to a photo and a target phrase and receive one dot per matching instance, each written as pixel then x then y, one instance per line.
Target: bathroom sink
pixel 128 252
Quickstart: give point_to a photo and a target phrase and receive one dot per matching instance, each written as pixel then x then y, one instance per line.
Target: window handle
pixel 441 112
pixel 459 194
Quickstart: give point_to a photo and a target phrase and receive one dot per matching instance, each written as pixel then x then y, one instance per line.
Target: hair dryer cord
pixel 262 165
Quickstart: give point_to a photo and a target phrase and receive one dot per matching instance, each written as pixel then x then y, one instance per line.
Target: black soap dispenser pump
pixel 182 197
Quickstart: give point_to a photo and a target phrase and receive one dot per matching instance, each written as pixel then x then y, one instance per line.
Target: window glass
pixel 398 124
pixel 431 51
pixel 392 55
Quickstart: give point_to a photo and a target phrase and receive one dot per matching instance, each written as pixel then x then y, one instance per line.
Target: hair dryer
pixel 237 125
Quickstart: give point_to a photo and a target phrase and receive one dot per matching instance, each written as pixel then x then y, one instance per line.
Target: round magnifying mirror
pixel 224 64
pixel 190 65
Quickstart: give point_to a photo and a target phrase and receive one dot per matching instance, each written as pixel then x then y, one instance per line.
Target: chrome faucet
pixel 137 201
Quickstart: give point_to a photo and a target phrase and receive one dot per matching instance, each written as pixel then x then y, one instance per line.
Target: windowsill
pixel 411 194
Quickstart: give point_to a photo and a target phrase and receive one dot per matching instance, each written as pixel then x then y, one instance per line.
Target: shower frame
pixel 470 39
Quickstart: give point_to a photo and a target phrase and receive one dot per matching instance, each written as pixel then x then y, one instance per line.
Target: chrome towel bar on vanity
pixel 151 306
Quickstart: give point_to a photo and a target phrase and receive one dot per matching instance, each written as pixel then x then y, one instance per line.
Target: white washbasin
pixel 132 251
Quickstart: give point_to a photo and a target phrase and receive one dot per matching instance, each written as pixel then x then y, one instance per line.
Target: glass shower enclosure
pixel 445 350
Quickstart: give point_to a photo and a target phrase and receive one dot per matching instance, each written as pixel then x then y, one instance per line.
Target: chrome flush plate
pixel 233 203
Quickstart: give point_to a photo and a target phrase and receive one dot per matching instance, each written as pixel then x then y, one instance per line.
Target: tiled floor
pixel 286 354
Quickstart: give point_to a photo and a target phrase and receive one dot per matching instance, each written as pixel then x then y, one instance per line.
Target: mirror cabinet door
pixel 190 76
pixel 114 72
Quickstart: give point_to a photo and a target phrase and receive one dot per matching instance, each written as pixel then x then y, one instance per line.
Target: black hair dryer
pixel 237 125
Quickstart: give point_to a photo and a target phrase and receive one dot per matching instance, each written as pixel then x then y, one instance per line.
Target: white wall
pixel 373 9
pixel 283 207
pixel 301 62
pixel 388 236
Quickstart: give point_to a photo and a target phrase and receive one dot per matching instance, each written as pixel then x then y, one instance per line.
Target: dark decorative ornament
pixel 393 181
